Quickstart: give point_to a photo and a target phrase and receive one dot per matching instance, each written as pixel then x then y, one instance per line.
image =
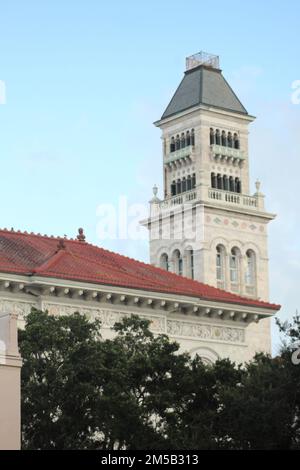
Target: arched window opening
pixel 225 183
pixel 189 183
pixel 231 184
pixel 177 145
pixel 183 185
pixel 173 188
pixel 229 139
pixel 178 186
pixel 188 138
pixel 238 186
pixel 250 268
pixel 211 136
pixel 193 180
pixel 192 137
pixel 213 180
pixel 164 261
pixel 182 141
pixel 220 263
pixel 234 269
pixel 219 181
pixel 223 139
pixel 218 137
pixel 236 141
pixel 172 145
pixel 178 262
pixel 192 263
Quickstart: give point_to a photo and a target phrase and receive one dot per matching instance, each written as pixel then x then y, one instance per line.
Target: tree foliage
pixel 137 391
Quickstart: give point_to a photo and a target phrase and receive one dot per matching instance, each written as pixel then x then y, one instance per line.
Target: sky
pixel 81 83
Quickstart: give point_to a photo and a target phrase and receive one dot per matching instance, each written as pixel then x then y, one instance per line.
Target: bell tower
pixel 209 226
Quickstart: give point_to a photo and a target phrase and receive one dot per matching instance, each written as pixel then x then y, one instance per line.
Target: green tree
pixel 137 391
pixel 60 385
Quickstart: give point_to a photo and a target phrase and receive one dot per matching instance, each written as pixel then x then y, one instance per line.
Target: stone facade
pixel 208 328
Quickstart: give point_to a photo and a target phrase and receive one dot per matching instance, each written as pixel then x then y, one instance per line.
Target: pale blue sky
pixel 86 79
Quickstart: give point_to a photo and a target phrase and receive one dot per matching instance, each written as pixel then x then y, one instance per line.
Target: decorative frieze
pixel 108 317
pixel 205 332
pixel 17 307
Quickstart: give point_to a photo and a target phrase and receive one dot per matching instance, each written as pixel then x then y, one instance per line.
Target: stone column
pixel 10 397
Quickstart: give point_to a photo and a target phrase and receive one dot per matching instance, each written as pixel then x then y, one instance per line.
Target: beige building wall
pixel 10 399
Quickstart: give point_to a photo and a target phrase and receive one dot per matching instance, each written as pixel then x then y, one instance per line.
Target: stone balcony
pixel 179 157
pixel 230 198
pixel 229 154
pixel 216 196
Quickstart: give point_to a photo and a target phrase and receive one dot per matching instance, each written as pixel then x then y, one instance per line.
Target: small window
pixel 182 140
pixel 178 262
pixel 193 180
pixel 250 268
pixel 172 145
pixel 220 262
pixel 223 139
pixel 164 261
pixel 233 265
pixel 236 141
pixel 188 138
pixel 192 263
pixel 173 188
pixel 192 137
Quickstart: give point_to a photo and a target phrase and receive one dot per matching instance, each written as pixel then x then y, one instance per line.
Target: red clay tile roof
pixel 31 254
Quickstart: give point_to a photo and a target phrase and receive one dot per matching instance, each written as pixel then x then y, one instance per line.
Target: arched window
pixel 178 186
pixel 192 137
pixel 229 139
pixel 218 137
pixel 211 136
pixel 189 183
pixel 234 269
pixel 231 184
pixel 220 264
pixel 250 274
pixel 213 180
pixel 192 263
pixel 225 183
pixel 182 140
pixel 177 145
pixel 178 263
pixel 193 180
pixel 173 188
pixel 223 139
pixel 164 261
pixel 189 258
pixel 183 185
pixel 236 141
pixel 238 186
pixel 188 138
pixel 172 145
pixel 219 181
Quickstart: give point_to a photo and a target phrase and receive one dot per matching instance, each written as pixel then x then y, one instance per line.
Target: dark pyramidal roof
pixel 204 85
